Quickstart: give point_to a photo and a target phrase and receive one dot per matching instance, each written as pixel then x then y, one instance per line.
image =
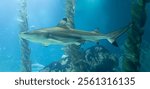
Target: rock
pixel 94 59
pixel 58 66
pixel 100 59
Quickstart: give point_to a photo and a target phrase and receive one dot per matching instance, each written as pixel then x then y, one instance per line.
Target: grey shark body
pixel 62 34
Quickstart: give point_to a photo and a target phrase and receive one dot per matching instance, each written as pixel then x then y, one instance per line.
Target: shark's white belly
pixel 54 42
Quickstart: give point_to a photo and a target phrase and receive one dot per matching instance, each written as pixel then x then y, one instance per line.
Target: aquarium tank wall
pixel 74 36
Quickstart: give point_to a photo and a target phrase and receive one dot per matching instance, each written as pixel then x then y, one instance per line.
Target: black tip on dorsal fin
pixel 62 23
pixel 65 19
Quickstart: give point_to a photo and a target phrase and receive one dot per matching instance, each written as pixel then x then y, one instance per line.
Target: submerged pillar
pixel 73 51
pixel 25 50
pixel 70 11
pixel 131 58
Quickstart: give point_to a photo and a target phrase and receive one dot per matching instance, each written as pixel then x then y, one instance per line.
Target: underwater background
pixel 107 15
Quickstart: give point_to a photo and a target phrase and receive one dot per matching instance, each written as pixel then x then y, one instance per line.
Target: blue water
pixel 108 15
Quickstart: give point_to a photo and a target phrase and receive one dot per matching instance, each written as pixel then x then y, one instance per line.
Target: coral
pixel 100 59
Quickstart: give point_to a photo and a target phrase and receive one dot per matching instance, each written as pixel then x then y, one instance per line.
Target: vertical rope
pixel 25 50
pixel 131 58
pixel 70 11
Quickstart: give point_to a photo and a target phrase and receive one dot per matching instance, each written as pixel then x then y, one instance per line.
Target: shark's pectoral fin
pixel 80 42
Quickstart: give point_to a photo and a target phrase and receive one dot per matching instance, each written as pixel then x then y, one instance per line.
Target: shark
pixel 64 35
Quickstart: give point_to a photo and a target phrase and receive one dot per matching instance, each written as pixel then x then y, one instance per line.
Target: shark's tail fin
pixel 111 37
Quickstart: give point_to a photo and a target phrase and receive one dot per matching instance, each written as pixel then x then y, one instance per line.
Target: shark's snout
pixel 30 36
pixel 24 35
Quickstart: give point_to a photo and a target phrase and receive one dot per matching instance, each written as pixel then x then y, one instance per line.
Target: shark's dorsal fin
pixel 62 23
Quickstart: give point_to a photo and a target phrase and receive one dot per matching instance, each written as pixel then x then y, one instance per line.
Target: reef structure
pixel 25 50
pixel 131 57
pixel 94 59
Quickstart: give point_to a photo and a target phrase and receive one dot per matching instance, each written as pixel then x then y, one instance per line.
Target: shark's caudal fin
pixel 111 37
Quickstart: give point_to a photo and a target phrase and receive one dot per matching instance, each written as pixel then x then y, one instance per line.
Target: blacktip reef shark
pixel 64 35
